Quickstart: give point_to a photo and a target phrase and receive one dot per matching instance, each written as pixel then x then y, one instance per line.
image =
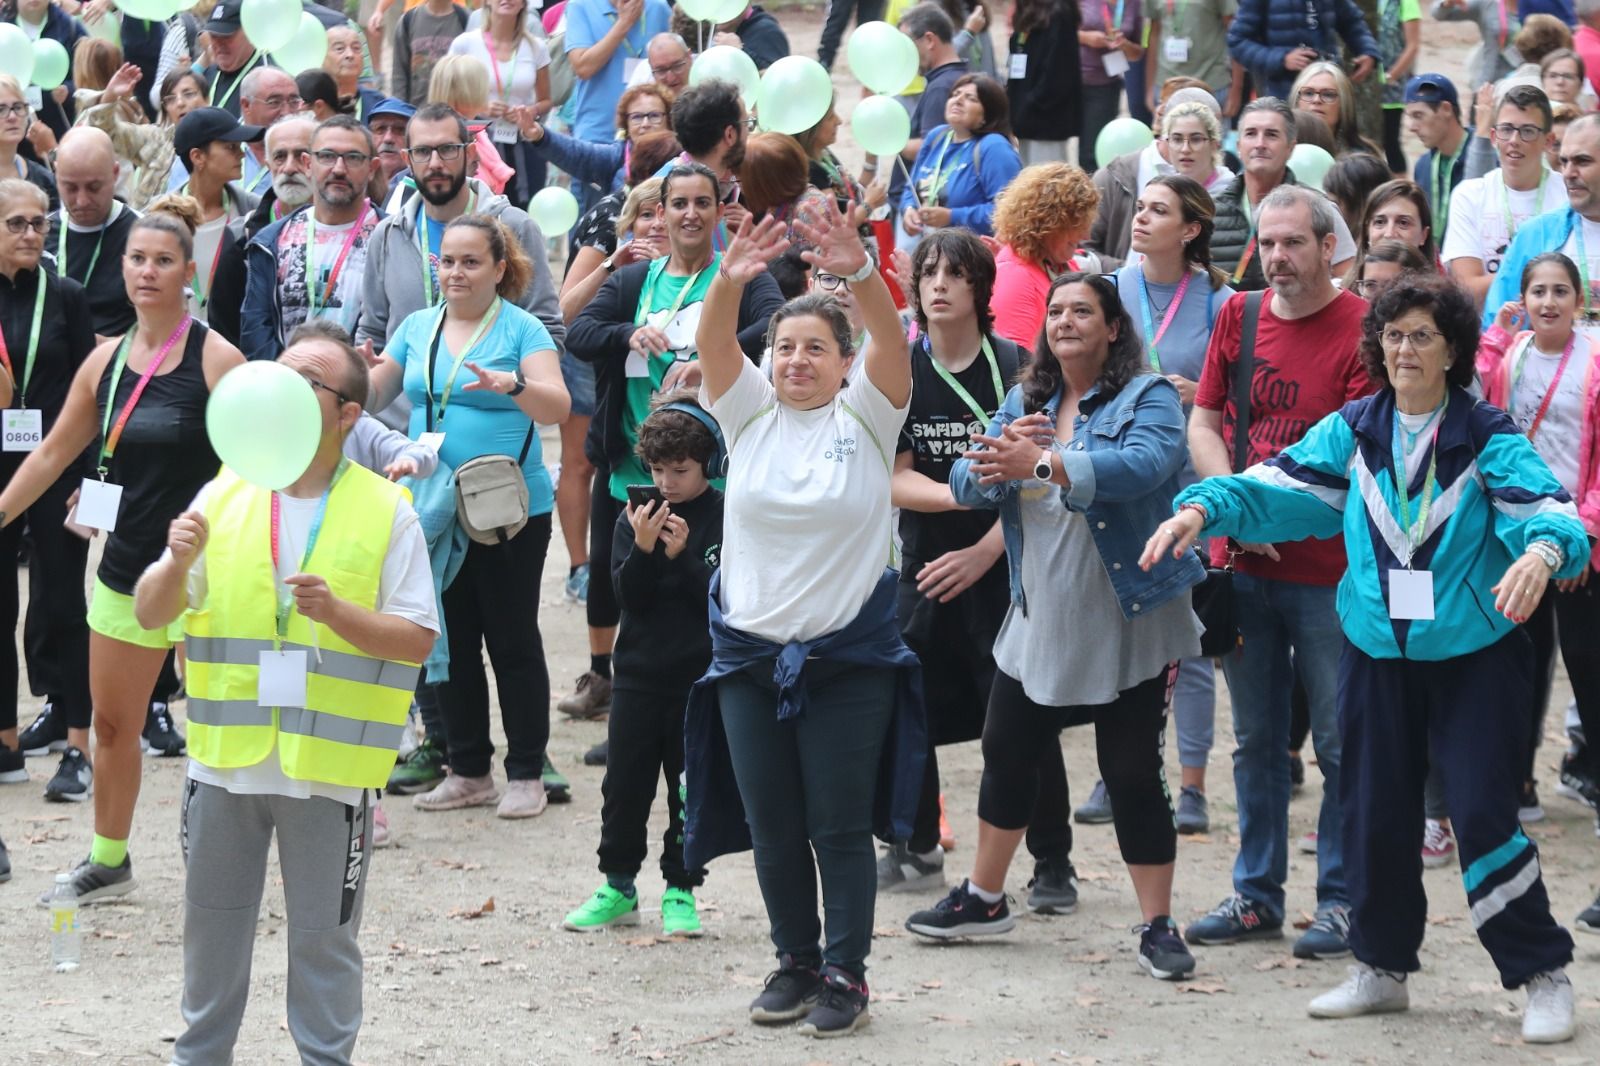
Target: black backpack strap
pixel 1244 372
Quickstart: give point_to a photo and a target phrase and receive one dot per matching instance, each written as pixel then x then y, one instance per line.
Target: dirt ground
pixel 451 980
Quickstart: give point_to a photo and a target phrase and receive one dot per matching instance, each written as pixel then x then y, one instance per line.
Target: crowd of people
pixel 848 463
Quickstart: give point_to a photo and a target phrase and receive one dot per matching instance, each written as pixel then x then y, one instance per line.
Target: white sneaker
pixel 1548 1019
pixel 1365 991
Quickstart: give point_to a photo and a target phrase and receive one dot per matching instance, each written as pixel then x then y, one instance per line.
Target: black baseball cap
pixel 224 18
pixel 206 124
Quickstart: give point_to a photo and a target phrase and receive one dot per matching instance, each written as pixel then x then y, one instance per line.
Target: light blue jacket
pixel 1495 495
pixel 1548 232
pixel 1123 462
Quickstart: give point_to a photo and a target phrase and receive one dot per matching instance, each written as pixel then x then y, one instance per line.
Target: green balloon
pixel 729 64
pixel 152 10
pixel 882 58
pixel 16 53
pixel 306 49
pixel 50 63
pixel 554 209
pixel 265 423
pixel 881 125
pixel 1119 137
pixel 270 24
pixel 1310 164
pixel 795 93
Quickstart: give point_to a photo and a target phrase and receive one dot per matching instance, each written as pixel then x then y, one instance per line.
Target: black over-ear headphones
pixel 717 465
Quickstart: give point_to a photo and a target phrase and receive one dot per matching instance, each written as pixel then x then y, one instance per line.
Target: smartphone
pixel 640 495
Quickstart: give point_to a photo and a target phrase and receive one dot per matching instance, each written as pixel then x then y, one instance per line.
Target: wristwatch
pixel 610 264
pixel 1045 468
pixel 863 274
pixel 521 382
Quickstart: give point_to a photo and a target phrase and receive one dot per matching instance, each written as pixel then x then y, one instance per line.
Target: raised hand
pixel 754 245
pixel 834 237
pixel 372 358
pixel 186 536
pixel 122 83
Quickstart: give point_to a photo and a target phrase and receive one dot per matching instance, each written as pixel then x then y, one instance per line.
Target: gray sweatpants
pixel 322 852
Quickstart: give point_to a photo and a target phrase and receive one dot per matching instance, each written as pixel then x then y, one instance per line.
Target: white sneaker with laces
pixel 1366 991
pixel 1548 1018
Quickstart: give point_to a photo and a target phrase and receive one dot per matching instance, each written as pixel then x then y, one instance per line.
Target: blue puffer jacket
pixel 1265 31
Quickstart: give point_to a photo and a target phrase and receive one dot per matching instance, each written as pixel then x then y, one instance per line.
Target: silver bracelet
pixel 1548 552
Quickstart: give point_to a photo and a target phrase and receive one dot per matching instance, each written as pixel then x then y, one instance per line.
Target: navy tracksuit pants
pixel 1468 716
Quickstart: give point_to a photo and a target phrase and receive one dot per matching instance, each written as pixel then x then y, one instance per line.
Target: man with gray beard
pixel 285 146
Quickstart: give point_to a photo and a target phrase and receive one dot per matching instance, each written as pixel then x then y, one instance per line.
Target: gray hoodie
pixel 392 285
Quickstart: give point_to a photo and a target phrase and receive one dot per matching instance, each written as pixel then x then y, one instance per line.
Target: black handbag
pixel 1212 599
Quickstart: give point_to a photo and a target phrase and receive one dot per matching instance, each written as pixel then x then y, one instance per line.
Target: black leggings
pixel 602 611
pixel 1570 621
pixel 1393 154
pixel 1128 736
pixel 56 634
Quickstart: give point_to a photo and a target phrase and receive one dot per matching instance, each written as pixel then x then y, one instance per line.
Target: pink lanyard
pixel 494 62
pixel 109 447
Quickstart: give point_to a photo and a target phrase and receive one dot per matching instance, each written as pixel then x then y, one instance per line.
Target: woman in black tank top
pixel 140 402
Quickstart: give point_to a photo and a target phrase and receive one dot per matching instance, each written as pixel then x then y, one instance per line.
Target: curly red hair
pixel 1042 203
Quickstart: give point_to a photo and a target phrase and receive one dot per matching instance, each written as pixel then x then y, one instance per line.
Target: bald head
pixel 669 61
pixel 265 95
pixel 86 175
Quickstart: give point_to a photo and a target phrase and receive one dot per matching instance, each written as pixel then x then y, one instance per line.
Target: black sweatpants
pixel 602 610
pixel 1570 621
pixel 838 20
pixel 1128 735
pixel 494 603
pixel 57 634
pixel 644 744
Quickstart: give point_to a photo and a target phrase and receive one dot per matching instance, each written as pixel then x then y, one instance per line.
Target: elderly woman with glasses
pixel 642 109
pixel 15 118
pixel 1323 89
pixel 1454 527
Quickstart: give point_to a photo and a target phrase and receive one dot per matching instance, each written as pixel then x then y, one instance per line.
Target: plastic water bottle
pixel 66 944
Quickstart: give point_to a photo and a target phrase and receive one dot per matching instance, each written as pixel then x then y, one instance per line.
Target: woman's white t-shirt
pixel 517 76
pixel 806 530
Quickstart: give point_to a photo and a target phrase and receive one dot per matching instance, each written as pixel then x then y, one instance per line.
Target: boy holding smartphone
pixel 666 545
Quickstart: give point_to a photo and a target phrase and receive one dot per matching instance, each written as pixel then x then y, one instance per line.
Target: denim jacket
pixel 1123 462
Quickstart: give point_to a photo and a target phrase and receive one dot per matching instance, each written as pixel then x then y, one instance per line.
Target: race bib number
pixel 1176 49
pixel 22 430
pixel 1019 67
pixel 503 132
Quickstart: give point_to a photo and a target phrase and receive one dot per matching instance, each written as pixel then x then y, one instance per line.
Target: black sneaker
pixel 47 734
pixel 962 913
pixel 5 864
pixel 790 992
pixel 841 1008
pixel 93 883
pixel 1577 781
pixel 1589 920
pixel 596 756
pixel 161 737
pixel 1054 888
pixel 73 780
pixel 1162 952
pixel 13 766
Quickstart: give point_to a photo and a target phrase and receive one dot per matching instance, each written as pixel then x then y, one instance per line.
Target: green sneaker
pixel 606 907
pixel 678 914
pixel 556 788
pixel 419 771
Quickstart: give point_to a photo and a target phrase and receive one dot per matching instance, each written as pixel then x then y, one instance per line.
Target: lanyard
pixel 930 198
pixel 338 264
pixel 1583 269
pixel 429 297
pixel 109 434
pixel 1172 17
pixel 1413 530
pixel 1113 22
pixel 255 182
pixel 1505 201
pixel 1505 25
pixel 966 397
pixel 202 296
pixel 237 78
pixel 1555 382
pixel 455 367
pixel 1441 196
pixel 1250 245
pixel 33 341
pixel 494 63
pixel 285 597
pixel 1151 334
pixel 627 38
pixel 61 250
pixel 647 295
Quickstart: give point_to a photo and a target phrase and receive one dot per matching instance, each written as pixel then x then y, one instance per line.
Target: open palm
pixel 754 245
pixel 834 237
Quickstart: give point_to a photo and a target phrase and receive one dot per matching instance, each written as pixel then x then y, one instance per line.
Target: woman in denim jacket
pixel 1075 490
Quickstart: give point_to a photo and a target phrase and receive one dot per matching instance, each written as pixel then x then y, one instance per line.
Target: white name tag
pixel 1175 49
pixel 1411 595
pixel 432 440
pixel 283 679
pixel 1019 67
pixel 503 132
pixel 98 504
pixel 1116 63
pixel 630 67
pixel 22 430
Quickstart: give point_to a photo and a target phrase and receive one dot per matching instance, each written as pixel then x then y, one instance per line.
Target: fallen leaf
pixel 1198 838
pixel 647 941
pixel 1285 962
pixel 933 984
pixel 1304 921
pixel 1204 988
pixel 887 931
pixel 720 1034
pixel 457 864
pixel 1090 957
pixel 1093 875
pixel 1314 1053
pixel 489 960
pixel 1089 1001
pixel 949 1019
pixel 486 907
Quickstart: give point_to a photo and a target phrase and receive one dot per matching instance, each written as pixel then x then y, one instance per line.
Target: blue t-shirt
pixel 476 422
pixel 595 99
pixel 1182 350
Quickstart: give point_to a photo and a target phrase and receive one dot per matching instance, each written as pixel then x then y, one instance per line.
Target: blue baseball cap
pixel 391 106
pixel 1432 89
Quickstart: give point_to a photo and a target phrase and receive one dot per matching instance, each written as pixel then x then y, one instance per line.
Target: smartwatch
pixel 521 382
pixel 1045 468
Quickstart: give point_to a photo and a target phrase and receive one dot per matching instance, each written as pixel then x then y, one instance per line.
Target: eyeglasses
pixel 327 158
pixel 831 282
pixel 1506 131
pixel 1320 96
pixel 291 100
pixel 670 68
pixel 38 223
pixel 1419 338
pixel 653 118
pixel 1367 288
pixel 1562 75
pixel 750 123
pixel 329 389
pixel 448 153
pixel 1194 140
pixel 17 109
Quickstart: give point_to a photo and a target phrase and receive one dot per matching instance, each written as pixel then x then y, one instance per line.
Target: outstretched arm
pixel 755 244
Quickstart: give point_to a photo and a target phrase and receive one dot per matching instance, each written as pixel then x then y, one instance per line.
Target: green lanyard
pixel 338 264
pixel 647 295
pixel 255 182
pixel 223 103
pixel 33 341
pixel 1414 530
pixel 1583 269
pixel 948 378
pixel 1441 192
pixel 935 185
pixel 61 250
pixel 1505 202
pixel 455 367
pixel 429 297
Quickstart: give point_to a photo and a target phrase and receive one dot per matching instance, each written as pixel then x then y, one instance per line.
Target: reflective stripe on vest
pixel 349 731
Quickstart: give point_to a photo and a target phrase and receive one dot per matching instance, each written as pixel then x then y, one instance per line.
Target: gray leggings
pixel 807 786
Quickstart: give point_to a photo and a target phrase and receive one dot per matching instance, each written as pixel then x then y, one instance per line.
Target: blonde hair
pixel 644 194
pixel 8 82
pixel 95 62
pixel 1041 202
pixel 462 83
pixel 176 215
